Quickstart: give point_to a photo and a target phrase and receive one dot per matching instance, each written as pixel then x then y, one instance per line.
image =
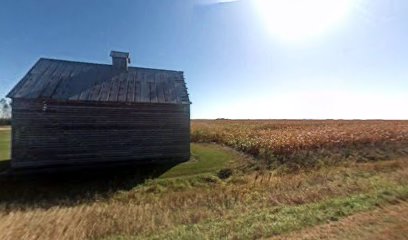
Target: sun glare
pixel 298 20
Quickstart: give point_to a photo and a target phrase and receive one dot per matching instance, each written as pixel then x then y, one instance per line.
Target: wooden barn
pixel 73 113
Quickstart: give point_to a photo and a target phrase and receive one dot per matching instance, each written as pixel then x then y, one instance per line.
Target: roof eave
pixel 20 83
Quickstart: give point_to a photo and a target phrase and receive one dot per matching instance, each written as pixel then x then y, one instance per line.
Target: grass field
pixel 4 143
pixel 348 189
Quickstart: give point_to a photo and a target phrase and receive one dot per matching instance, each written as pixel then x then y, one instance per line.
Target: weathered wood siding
pixel 58 133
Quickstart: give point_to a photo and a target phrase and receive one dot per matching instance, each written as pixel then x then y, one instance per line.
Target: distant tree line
pixel 5 112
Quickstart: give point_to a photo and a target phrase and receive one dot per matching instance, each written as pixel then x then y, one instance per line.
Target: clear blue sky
pixel 235 66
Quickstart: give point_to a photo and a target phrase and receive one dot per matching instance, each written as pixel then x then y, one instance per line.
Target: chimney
pixel 120 60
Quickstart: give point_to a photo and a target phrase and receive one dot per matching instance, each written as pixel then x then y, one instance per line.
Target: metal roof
pixel 69 80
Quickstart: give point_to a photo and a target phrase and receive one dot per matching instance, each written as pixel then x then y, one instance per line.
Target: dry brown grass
pixel 386 223
pixel 142 212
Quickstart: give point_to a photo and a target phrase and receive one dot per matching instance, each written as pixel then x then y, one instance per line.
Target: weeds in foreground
pixel 207 206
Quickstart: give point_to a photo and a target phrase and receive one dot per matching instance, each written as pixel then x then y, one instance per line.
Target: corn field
pixel 283 139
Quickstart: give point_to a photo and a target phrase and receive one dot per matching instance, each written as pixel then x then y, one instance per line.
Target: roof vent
pixel 120 60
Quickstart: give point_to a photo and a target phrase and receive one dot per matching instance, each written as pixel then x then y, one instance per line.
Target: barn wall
pixel 55 133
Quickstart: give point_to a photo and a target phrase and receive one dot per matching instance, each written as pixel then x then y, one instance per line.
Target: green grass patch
pixel 4 144
pixel 205 158
pixel 201 170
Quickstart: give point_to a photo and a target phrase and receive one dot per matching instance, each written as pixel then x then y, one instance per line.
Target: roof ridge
pixel 104 64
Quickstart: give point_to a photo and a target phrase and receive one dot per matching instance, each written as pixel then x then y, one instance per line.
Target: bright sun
pixel 298 20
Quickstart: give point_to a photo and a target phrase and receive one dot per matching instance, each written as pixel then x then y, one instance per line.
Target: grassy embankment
pixel 194 200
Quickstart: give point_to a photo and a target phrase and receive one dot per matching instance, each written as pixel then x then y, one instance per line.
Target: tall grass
pixel 243 206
